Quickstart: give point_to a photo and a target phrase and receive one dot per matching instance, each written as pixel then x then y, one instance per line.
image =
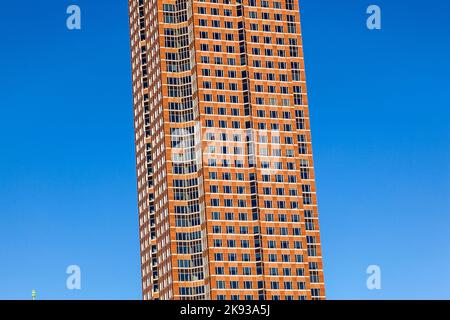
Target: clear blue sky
pixel 380 109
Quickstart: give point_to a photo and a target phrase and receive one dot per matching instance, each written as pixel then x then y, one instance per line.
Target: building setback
pixel 226 186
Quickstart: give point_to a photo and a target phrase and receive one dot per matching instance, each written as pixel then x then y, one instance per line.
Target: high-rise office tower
pixel 227 199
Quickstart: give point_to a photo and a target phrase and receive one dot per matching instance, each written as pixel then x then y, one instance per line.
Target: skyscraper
pixel 226 191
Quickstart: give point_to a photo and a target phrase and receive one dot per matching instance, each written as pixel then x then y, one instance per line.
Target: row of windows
pixel 219 73
pixel 274 114
pixel 187 291
pixel 221 98
pixel 257 75
pixel 264 178
pixel 269 40
pixel 233 271
pixel 277 16
pixel 275 126
pixel 261 138
pixel 225 163
pixel 253 27
pixel 254 39
pixel 280 41
pixel 258 88
pixel 262 297
pixel 263 152
pixel 232 74
pixel 269 64
pixel 223 111
pixel 287 4
pixel 218 48
pixel 275 139
pixel 217 23
pixel 255 51
pixel 268 28
pixel 268 16
pixel 307 199
pixel 218 60
pixel 268 216
pixel 264 164
pixel 229 203
pixel 269 230
pixel 285 258
pixel 268 204
pixel 240 151
pixel 231 243
pixel 247 271
pixel 274 285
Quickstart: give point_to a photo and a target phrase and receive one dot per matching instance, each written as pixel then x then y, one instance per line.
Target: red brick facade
pixel 227 198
